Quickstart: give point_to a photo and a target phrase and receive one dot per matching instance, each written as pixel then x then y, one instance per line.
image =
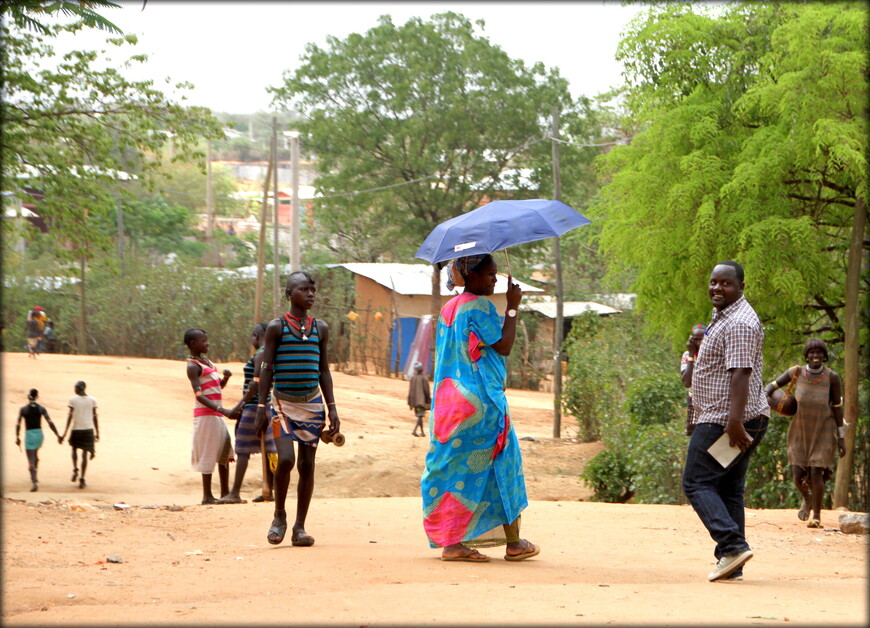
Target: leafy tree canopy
pixel 25 13
pixel 753 147
pixel 74 131
pixel 430 112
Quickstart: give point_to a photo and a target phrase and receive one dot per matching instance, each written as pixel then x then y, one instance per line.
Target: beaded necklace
pixel 299 324
pixel 820 375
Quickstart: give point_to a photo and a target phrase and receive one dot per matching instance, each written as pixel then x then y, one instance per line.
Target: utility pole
pixel 296 217
pixel 209 199
pixel 261 247
pixel 557 252
pixel 120 214
pixel 276 284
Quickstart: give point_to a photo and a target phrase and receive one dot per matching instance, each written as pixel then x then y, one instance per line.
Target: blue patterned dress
pixel 473 482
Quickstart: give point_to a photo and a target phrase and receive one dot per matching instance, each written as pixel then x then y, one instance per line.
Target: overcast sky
pixel 232 51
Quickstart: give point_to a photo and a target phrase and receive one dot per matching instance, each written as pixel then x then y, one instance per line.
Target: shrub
pixel 605 357
pixel 655 399
pixel 609 476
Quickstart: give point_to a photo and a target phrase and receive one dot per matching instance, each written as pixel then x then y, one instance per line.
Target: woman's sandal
pixel 277 530
pixel 473 556
pixel 528 551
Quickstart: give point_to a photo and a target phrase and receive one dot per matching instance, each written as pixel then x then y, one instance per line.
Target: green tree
pixel 753 147
pixel 430 112
pixel 26 13
pixel 73 131
pixel 186 185
pixel 155 228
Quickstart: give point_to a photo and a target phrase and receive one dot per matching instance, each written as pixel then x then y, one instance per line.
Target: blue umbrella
pixel 498 225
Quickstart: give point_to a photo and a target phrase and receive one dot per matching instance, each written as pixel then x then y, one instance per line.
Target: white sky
pixel 232 51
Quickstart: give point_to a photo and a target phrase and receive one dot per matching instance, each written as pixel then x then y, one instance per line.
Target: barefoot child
pixel 295 357
pixel 32 415
pixel 85 429
pixel 247 442
pixel 419 398
pixel 211 440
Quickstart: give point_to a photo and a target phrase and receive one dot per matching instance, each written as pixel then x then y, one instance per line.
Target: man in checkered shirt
pixel 728 396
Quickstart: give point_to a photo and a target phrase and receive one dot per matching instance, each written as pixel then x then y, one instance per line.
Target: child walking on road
pixel 419 398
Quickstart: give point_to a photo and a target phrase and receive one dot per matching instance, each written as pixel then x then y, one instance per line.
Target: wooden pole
pixel 120 217
pixel 276 282
pixel 436 310
pixel 261 249
pixel 851 364
pixel 295 251
pixel 557 253
pixel 209 200
pixel 83 336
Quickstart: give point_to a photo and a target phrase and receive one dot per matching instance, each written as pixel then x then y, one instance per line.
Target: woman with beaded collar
pixel 817 429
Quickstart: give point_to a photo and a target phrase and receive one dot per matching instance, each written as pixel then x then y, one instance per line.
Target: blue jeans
pixel 716 493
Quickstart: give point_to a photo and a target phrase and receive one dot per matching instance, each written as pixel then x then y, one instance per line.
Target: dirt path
pixel 192 564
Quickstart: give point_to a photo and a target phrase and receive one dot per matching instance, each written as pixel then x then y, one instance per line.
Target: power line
pixel 622 141
pixel 526 144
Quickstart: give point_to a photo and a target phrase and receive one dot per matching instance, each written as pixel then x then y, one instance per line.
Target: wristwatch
pixel 511 312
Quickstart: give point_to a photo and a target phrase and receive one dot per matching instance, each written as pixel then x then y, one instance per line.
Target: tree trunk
pixel 851 351
pixel 83 336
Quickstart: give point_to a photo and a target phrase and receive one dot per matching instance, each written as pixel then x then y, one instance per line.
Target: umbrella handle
pixel 508 260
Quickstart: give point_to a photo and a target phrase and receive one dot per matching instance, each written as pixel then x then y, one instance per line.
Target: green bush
pixel 609 476
pixel 644 464
pixel 655 399
pixel 657 454
pixel 606 356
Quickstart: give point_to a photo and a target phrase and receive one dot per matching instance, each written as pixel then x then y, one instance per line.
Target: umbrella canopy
pixel 498 225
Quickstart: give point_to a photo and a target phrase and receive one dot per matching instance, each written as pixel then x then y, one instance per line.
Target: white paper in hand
pixel 722 451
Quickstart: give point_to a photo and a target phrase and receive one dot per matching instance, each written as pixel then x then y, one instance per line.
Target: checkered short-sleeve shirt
pixel 734 339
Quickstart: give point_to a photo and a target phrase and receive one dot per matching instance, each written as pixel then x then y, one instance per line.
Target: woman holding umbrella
pixel 473 485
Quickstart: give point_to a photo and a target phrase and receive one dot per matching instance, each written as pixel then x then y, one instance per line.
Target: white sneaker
pixel 727 565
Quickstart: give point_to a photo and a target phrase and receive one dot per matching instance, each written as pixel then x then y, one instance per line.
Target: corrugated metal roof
pixel 570 309
pixel 416 279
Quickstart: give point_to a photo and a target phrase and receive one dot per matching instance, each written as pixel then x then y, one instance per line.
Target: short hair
pixel 738 269
pixel 192 333
pixel 80 385
pixel 33 394
pixel 816 343
pixel 304 273
pixel 260 328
